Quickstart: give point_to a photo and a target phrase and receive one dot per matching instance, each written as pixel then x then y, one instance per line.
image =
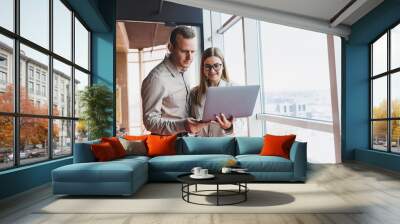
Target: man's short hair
pixel 185 31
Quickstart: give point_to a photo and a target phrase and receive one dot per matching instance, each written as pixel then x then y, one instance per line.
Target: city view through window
pixel 31 111
pixel 385 92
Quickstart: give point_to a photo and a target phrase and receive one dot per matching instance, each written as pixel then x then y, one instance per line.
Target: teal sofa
pixel 125 176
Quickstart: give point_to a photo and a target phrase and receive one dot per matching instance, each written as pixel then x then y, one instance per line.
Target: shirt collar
pixel 171 67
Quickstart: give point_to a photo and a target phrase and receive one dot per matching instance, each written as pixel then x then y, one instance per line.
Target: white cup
pixel 196 170
pixel 203 172
pixel 226 170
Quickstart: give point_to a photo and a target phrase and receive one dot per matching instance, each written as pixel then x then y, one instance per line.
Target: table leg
pixel 196 188
pixel 217 194
pixel 245 193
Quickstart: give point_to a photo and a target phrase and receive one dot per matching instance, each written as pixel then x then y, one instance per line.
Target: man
pixel 165 91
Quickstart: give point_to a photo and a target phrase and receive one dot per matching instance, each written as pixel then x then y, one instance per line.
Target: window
pixel 62 29
pixel 3 78
pixel 385 94
pixel 7 14
pixel 34 21
pixel 30 87
pixel 45 131
pixel 301 92
pixel 30 72
pixel 43 90
pixel 81 45
pixel 3 61
pixel 234 58
pixel 62 74
pixel 37 89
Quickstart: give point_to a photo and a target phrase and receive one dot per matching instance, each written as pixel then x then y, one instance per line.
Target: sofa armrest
pixel 83 152
pixel 298 155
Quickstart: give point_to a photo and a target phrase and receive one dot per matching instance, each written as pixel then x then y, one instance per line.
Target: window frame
pixel 388 74
pixel 16 114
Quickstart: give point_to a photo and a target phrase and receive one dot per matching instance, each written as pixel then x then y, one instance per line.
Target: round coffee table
pixel 238 179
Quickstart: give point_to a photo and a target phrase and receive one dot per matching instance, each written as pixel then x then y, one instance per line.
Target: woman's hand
pixel 223 122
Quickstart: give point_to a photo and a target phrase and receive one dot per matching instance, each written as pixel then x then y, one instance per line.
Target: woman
pixel 213 73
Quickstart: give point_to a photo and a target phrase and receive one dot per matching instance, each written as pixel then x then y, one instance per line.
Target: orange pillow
pixel 136 137
pixel 103 152
pixel 161 145
pixel 277 145
pixel 116 145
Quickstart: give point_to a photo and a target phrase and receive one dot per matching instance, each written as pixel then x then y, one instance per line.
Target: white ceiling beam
pixel 268 15
pixel 348 12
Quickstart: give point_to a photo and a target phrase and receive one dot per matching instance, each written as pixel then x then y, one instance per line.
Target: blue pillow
pixel 208 145
pixel 83 152
pixel 249 145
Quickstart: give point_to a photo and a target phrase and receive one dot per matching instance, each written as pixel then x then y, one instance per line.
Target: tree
pixel 380 127
pixel 96 102
pixel 33 130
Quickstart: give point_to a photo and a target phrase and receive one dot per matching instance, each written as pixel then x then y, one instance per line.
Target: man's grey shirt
pixel 165 97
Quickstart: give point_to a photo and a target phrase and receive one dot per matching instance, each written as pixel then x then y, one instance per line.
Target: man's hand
pixel 223 122
pixel 192 126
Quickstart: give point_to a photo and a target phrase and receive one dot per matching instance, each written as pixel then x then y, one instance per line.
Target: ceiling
pixel 139 35
pixel 327 16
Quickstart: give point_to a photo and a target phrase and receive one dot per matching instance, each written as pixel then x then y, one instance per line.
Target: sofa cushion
pixel 208 145
pixel 275 145
pixel 116 145
pixel 103 151
pixel 134 147
pixel 257 163
pixel 112 171
pixel 83 152
pixel 249 145
pixel 185 163
pixel 159 145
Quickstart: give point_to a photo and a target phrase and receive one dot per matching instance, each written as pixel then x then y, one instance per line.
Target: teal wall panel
pixel 356 86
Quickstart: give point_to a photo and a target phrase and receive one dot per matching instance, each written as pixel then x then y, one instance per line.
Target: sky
pixel 35 27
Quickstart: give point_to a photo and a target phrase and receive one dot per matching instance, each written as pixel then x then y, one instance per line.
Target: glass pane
pixel 395 138
pixel 379 55
pixel 62 28
pixel 395 94
pixel 62 89
pixel 62 138
pixel 6 74
pixel 34 82
pixel 379 135
pixel 81 131
pixel 234 53
pixel 81 45
pixel 81 81
pixel 7 14
pixel 6 142
pixel 35 21
pixel 33 139
pixel 395 47
pixel 379 98
pixel 291 89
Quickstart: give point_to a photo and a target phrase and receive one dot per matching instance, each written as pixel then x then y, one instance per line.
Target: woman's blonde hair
pixel 201 89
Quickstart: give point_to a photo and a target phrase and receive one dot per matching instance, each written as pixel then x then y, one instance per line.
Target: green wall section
pixel 27 177
pixel 103 54
pixel 355 87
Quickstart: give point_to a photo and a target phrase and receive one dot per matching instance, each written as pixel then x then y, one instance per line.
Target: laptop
pixel 236 101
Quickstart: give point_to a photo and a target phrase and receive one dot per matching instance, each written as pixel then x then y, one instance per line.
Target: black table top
pixel 220 178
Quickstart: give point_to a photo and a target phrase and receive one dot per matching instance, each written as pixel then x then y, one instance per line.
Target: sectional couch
pixel 125 176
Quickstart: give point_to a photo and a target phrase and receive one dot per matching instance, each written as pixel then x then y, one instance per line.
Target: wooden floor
pixel 377 188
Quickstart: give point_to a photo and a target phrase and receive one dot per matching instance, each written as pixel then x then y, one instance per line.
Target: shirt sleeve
pixel 153 92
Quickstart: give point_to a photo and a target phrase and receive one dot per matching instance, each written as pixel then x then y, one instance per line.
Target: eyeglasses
pixel 216 67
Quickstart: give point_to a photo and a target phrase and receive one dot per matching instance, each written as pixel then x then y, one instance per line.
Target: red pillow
pixel 116 145
pixel 136 137
pixel 161 145
pixel 103 152
pixel 277 145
